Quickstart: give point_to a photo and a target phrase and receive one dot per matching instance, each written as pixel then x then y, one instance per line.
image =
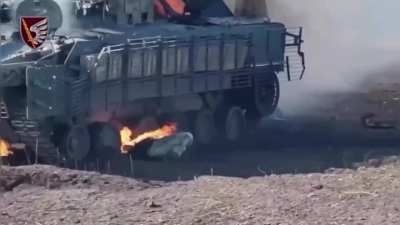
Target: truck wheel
pixel 231 122
pixel 235 124
pixel 77 142
pixel 265 96
pixel 105 140
pixel 204 127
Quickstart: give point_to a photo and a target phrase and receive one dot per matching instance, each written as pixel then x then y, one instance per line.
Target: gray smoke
pixel 347 44
pixel 70 22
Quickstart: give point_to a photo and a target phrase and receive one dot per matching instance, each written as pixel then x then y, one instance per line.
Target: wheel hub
pixel 78 142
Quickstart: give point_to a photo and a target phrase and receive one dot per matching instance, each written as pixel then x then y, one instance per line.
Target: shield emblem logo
pixel 34 30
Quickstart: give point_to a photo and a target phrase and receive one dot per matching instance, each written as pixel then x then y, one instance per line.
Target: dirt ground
pixel 45 195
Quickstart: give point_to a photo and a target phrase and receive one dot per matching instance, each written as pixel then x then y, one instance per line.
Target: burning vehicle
pixel 154 69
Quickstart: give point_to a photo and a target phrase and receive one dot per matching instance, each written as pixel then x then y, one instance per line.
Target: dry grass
pixel 47 195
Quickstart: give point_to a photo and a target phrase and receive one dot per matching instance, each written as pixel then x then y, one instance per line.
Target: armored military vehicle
pixel 141 64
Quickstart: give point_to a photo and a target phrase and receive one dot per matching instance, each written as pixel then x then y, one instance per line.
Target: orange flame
pixel 128 141
pixel 178 6
pixel 5 149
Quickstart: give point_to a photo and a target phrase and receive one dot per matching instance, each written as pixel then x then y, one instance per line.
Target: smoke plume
pixel 347 43
pixel 69 20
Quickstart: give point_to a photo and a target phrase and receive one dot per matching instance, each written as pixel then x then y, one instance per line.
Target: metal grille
pixel 79 96
pixel 294 56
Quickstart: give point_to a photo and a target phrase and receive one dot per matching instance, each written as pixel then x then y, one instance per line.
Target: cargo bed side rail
pixel 171 49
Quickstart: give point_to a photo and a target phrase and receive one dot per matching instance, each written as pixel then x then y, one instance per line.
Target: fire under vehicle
pixel 144 68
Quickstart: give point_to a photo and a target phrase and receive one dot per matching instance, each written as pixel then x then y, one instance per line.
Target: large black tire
pixel 235 124
pixel 204 127
pixel 231 122
pixel 77 143
pixel 105 141
pixel 260 100
pixel 266 93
